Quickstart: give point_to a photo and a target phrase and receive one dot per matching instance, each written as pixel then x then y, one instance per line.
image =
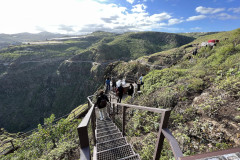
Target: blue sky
pixel 86 16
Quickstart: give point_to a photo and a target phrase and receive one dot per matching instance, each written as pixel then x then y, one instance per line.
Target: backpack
pixel 102 103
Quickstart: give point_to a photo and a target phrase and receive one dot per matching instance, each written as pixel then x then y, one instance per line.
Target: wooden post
pixel 83 137
pixel 159 144
pixel 117 109
pixel 123 119
pixel 12 145
pixel 113 114
pixel 93 122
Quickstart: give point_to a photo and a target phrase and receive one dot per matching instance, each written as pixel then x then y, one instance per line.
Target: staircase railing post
pixel 109 106
pixel 123 119
pixel 93 120
pixel 84 140
pixel 12 144
pixel 113 114
pixel 159 144
pixel 89 105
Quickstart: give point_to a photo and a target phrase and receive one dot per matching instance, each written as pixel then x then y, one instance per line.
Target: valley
pixel 202 90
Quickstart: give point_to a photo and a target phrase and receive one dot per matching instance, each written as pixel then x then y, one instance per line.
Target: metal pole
pixel 159 144
pixel 93 120
pixel 12 145
pixel 113 114
pixel 123 120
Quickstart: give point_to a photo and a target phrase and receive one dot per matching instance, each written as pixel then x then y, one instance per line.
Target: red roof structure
pixel 213 41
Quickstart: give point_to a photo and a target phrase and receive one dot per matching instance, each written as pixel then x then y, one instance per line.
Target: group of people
pixel 102 99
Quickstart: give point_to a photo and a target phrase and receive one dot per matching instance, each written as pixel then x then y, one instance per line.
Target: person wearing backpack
pixel 120 93
pixel 101 104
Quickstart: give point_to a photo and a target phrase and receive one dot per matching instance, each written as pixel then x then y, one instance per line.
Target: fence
pixel 9 148
pixel 116 109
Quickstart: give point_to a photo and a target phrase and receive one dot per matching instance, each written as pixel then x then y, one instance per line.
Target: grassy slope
pixel 202 90
pixel 38 80
pixel 52 141
pixel 132 45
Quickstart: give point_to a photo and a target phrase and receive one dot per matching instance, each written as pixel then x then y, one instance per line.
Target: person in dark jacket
pixel 101 104
pixel 120 93
pixel 130 90
pixel 108 84
pixel 114 85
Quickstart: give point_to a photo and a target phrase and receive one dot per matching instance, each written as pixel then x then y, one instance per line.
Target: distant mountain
pixel 16 39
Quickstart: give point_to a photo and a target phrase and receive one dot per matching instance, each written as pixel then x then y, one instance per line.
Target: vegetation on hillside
pixel 132 45
pixel 202 91
pixel 38 80
pixel 52 141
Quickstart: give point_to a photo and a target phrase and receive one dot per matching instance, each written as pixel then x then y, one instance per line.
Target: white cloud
pixel 196 28
pixel 78 17
pixel 139 8
pixel 225 16
pixel 130 1
pixel 235 10
pixel 160 17
pixel 205 10
pixel 174 21
pixel 195 18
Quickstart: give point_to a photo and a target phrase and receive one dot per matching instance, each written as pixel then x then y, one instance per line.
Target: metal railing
pixel 9 148
pixel 83 131
pixel 163 131
pixel 75 114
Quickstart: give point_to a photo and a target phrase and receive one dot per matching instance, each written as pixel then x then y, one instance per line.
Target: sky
pixel 86 16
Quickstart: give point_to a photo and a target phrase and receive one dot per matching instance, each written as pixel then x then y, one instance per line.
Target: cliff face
pixel 31 91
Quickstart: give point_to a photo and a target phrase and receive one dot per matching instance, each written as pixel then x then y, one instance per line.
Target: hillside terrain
pixel 7 40
pixel 38 80
pixel 202 90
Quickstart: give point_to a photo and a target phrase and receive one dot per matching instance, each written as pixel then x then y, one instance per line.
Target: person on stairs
pixel 108 84
pixel 120 93
pixel 131 90
pixel 101 104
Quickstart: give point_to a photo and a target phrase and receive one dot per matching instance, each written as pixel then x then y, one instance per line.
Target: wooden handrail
pixel 163 131
pixel 173 143
pixel 157 110
pixel 83 132
pixel 86 119
pixel 8 141
pixel 5 142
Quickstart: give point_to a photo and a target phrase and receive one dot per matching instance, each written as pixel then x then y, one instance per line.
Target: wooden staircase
pixel 110 143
